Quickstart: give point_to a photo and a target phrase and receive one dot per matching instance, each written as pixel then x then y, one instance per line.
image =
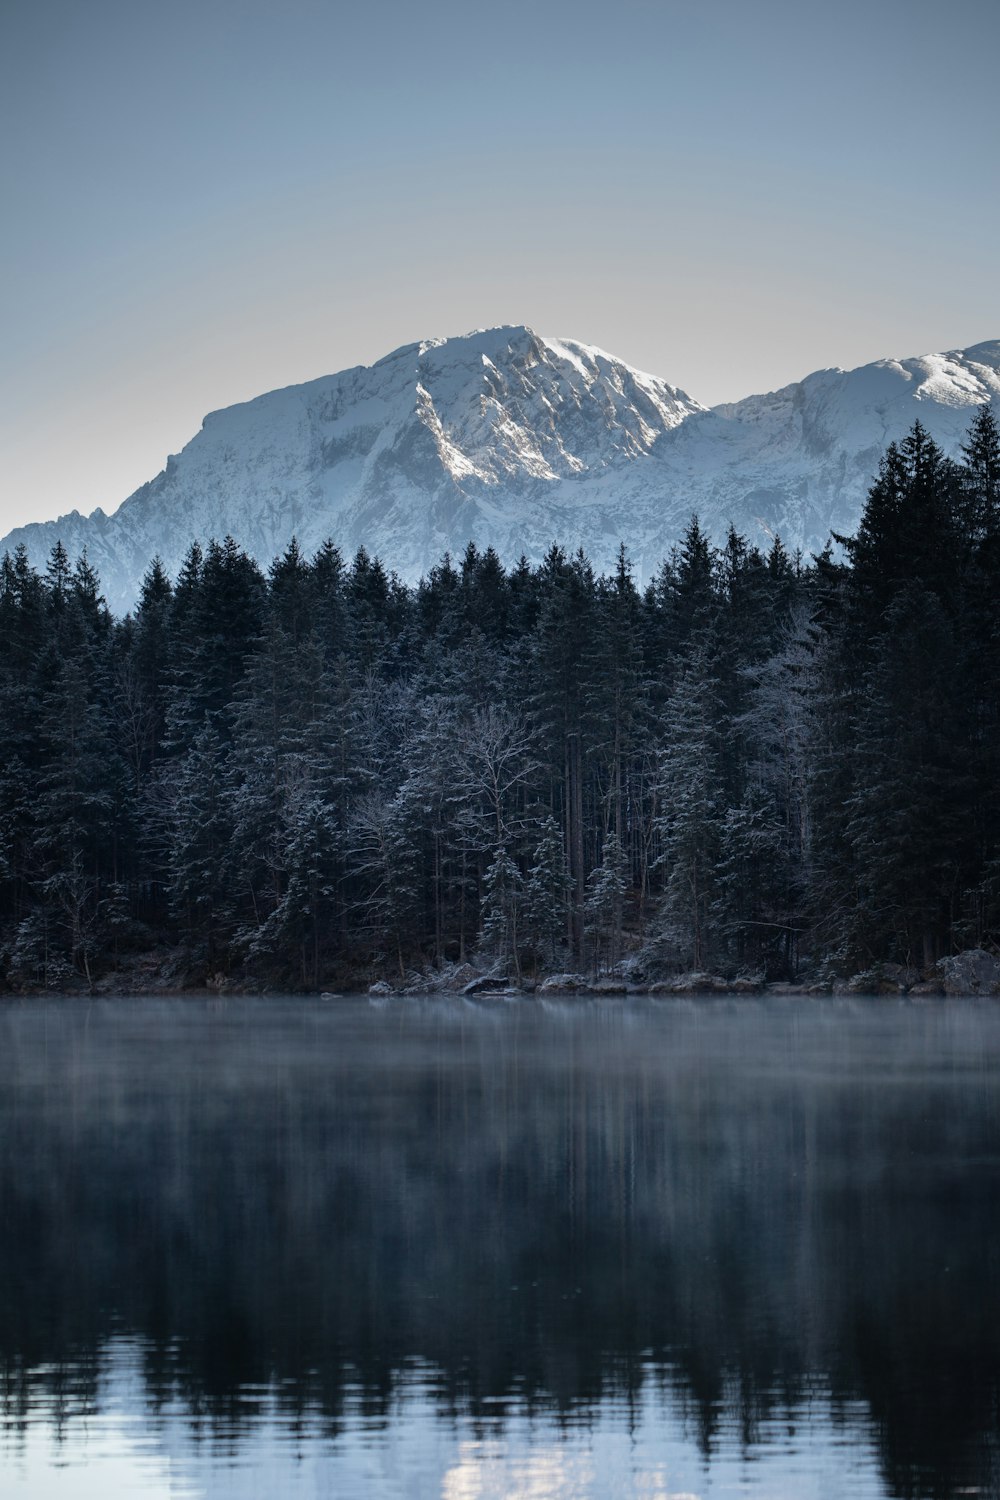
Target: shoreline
pixel 776 991
pixel 974 972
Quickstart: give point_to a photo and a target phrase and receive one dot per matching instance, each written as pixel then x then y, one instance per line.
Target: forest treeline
pixel 318 773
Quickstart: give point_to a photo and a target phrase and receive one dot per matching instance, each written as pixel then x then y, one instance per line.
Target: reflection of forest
pixel 534 1200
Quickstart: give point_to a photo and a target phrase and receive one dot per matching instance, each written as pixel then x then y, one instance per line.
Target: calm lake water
pixel 437 1248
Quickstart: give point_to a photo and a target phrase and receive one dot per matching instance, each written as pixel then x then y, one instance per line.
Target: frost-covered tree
pixel 502 908
pixel 495 749
pixel 692 812
pixel 547 892
pixel 605 904
pixel 766 847
pixel 195 808
pixel 444 806
pixel 301 917
pixel 383 866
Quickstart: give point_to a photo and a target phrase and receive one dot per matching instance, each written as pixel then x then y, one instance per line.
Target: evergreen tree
pixel 291 594
pixel 694 585
pixel 501 909
pixel 383 862
pixel 442 802
pixel 561 640
pixel 547 892
pixel 981 478
pixel 218 616
pixel 606 891
pixel 756 886
pixel 765 867
pixel 613 705
pixel 198 841
pixel 146 669
pixel 691 815
pixel 294 937
pixel 77 794
pixel 908 819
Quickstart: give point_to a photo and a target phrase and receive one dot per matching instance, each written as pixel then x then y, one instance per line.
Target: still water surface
pixel 438 1248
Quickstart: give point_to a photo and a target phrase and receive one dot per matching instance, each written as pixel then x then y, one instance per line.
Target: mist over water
pixel 421 1248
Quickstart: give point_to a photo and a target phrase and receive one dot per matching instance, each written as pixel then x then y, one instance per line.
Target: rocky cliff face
pixel 510 439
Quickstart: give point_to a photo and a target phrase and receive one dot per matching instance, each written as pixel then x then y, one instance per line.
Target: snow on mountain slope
pixel 799 461
pixel 500 437
pixel 510 439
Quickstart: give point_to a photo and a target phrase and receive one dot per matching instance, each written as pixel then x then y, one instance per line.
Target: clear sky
pixel 206 199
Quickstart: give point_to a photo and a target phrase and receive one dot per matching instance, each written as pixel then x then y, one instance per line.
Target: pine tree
pixel 547 892
pixel 756 886
pixel 978 640
pixel 694 591
pixel 280 786
pixel 78 791
pixel 24 628
pixel 291 592
pixel 217 618
pixel 148 667
pixel 981 478
pixel 58 574
pixel 908 820
pixel 382 861
pixel 329 608
pixel 195 809
pixel 486 594
pixel 766 846
pixel 501 909
pixel 605 904
pixel 612 672
pixel 368 597
pixel 294 937
pixel 442 801
pixel 561 640
pixel 691 813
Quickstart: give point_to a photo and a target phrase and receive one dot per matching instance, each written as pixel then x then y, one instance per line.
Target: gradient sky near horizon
pixel 207 199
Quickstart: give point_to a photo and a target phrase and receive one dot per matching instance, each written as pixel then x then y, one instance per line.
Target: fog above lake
pixel 749 1228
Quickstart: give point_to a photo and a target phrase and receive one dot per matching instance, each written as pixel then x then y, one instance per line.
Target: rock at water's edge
pixel 974 972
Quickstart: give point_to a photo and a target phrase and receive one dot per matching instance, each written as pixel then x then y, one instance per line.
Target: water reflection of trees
pixel 536 1205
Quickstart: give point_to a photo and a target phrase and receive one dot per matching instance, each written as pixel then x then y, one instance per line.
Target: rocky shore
pixel 974 972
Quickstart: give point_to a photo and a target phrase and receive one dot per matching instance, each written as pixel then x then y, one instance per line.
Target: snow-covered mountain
pixel 507 438
pixel 799 462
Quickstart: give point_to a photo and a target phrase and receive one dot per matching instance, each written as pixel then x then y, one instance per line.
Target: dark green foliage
pixel 692 808
pixel 502 909
pixel 320 773
pixel 198 841
pixel 547 893
pixel 909 818
pixel 981 477
pixel 607 889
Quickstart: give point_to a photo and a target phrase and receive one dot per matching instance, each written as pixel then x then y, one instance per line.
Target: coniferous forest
pixel 760 764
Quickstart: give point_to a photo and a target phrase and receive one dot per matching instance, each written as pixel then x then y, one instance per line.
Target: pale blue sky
pixel 205 199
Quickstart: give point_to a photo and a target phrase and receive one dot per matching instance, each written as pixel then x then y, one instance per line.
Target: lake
pixel 669 1249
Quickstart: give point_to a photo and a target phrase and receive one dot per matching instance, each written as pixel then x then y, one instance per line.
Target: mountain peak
pixel 509 438
pixel 491 342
